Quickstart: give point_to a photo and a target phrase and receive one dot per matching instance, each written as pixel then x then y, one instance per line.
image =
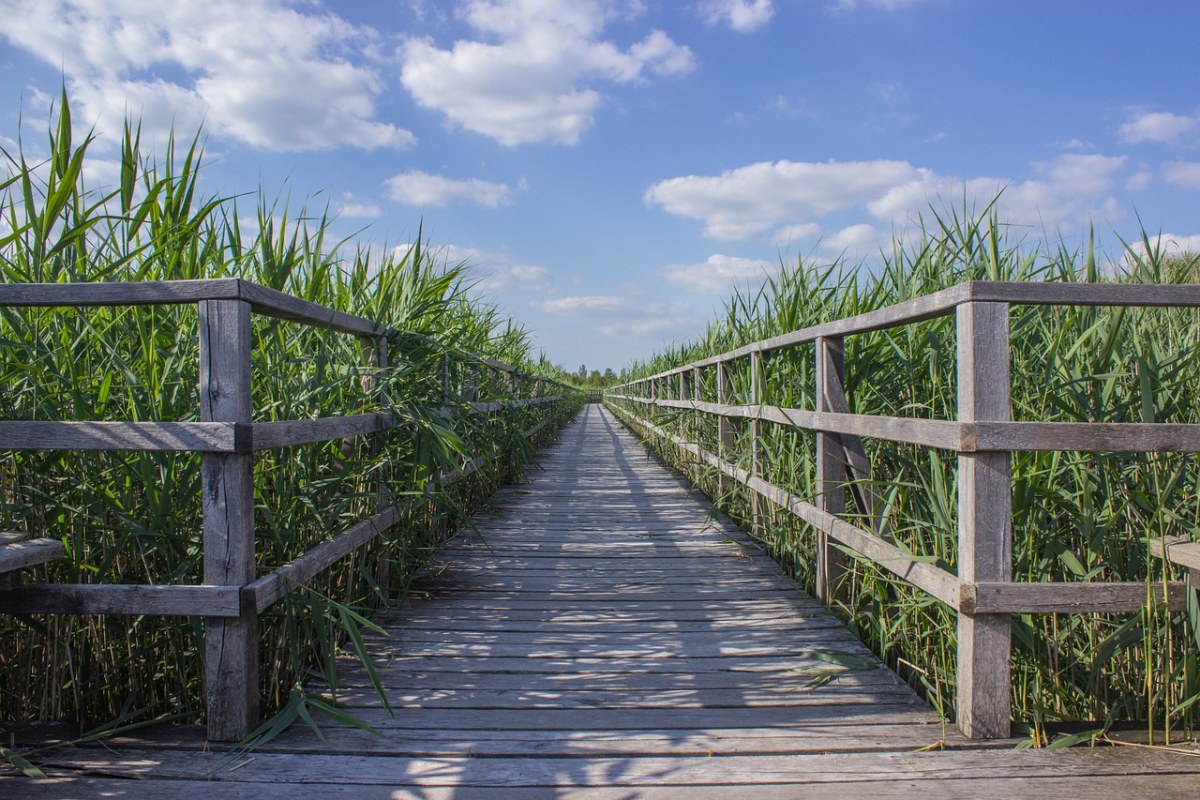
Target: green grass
pixel 135 517
pixel 1077 516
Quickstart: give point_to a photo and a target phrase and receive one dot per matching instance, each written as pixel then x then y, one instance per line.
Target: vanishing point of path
pixel 603 635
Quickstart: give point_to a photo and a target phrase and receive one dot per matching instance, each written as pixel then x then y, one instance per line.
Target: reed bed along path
pixel 602 634
pixel 134 517
pixel 1076 516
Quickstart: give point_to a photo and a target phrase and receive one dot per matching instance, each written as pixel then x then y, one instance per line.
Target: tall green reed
pixel 1077 516
pixel 135 517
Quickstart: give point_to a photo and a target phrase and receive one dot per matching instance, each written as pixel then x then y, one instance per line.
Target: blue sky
pixel 611 168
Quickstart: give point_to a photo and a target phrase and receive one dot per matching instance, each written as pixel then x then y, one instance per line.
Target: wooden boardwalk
pixel 604 636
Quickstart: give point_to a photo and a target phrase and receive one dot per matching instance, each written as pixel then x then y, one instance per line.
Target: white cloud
pixel 535 80
pixel 858 240
pixel 719 273
pixel 790 234
pixel 585 304
pixel 1167 244
pixel 1182 173
pixel 791 197
pixel 742 15
pixel 497 273
pixel 350 207
pixel 1157 126
pixel 416 188
pixel 1140 181
pixel 746 202
pixel 1172 243
pixel 263 72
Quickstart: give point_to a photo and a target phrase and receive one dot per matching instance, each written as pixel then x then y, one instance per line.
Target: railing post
pixel 230 645
pixel 756 399
pixel 831 469
pixel 698 396
pixel 984 521
pixel 375 351
pixel 725 434
pixel 685 394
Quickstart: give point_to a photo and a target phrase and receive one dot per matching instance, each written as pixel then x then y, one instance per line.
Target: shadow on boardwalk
pixel 604 636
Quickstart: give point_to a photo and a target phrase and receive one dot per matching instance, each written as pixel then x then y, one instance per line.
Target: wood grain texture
pixel 122 598
pixel 227 502
pixel 23 554
pixel 206 437
pixel 984 521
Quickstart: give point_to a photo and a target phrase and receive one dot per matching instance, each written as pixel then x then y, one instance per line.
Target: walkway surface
pixel 602 635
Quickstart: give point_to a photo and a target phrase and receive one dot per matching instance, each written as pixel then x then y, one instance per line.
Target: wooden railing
pixel 232 594
pixel 984 436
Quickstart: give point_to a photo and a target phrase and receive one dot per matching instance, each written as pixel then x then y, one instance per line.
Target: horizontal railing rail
pixel 226 437
pixel 983 435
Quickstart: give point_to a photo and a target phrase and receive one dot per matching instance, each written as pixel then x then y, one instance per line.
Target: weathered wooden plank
pixel 830 464
pixel 1178 550
pixel 1090 437
pixel 678 697
pixel 1068 598
pixel 12 537
pixel 931 770
pixel 984 521
pixel 122 598
pixel 21 555
pixel 227 502
pixel 267 435
pixel 1006 787
pixel 208 437
pixel 119 293
pixel 274 303
pixel 1084 294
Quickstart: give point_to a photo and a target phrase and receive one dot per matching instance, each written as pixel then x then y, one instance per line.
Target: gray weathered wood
pixel 1067 598
pixel 830 463
pixel 290 433
pixel 984 522
pixel 22 555
pixel 208 437
pixel 12 537
pixel 123 598
pixel 231 645
pixel 757 398
pixel 1178 550
pixel 726 436
pixel 264 301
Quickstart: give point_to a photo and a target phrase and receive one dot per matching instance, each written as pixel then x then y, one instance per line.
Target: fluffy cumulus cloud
pixel 751 200
pixel 789 199
pixel 741 15
pixel 532 74
pixel 416 188
pixel 1158 126
pixel 269 73
pixel 1173 244
pixel 719 274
